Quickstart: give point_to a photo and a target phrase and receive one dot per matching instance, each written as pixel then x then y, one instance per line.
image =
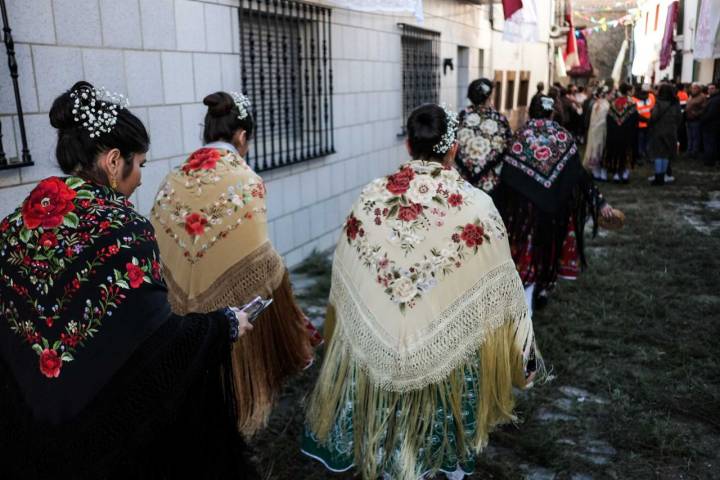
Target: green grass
pixel 639 330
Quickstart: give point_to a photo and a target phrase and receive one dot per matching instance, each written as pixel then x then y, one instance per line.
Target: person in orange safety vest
pixel 645 101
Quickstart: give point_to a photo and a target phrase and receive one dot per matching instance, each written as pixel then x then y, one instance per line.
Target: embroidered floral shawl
pixel 80 289
pixel 483 136
pixel 422 273
pixel 542 163
pixel 210 218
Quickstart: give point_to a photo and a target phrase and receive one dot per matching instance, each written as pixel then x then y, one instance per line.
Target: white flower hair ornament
pixel 485 88
pixel 242 103
pixel 448 137
pixel 547 103
pixel 96 109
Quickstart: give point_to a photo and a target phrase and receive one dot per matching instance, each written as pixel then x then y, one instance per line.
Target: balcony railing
pixel 24 159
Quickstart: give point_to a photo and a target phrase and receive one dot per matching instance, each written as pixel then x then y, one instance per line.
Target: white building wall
pixel 166 55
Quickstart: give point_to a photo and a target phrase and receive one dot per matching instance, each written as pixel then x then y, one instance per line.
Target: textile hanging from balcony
pixel 522 26
pixel 390 6
pixel 706 46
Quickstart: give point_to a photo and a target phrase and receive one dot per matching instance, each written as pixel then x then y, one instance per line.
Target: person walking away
pixel 710 127
pixel 682 96
pixel 693 111
pixel 662 131
pixel 622 126
pixel 535 101
pixel 596 135
pixel 644 101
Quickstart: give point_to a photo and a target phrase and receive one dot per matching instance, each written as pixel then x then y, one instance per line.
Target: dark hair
pixel 667 93
pixel 476 93
pixel 77 153
pixel 540 86
pixel 425 127
pixel 541 112
pixel 625 88
pixel 221 119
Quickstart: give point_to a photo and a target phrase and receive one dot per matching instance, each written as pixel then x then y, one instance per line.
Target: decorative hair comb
pixel 242 103
pixel 448 137
pixel 96 109
pixel 485 87
pixel 547 103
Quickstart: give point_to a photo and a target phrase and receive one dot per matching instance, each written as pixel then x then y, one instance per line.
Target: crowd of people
pixel 627 126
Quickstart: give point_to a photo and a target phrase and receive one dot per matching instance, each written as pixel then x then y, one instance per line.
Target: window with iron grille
pixel 510 92
pixel 286 71
pixel 420 67
pixel 497 100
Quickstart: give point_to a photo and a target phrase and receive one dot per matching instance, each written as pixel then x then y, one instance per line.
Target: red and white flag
pixel 510 7
pixel 571 51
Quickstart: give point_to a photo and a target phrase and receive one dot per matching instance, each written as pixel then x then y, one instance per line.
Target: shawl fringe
pixel 386 421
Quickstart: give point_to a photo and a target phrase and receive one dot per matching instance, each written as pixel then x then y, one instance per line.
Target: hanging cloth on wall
pixel 668 40
pixel 522 26
pixel 414 6
pixel 707 29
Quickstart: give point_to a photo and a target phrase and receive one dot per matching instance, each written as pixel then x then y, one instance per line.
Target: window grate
pixel 25 160
pixel 524 88
pixel 286 71
pixel 420 67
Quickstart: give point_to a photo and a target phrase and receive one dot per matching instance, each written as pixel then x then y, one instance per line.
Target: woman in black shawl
pixel 98 379
pixel 483 135
pixel 663 135
pixel 545 197
pixel 622 126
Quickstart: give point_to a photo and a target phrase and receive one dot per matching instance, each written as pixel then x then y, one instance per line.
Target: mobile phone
pixel 255 308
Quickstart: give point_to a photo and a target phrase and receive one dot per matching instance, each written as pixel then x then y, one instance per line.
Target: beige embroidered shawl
pixel 210 220
pixel 211 226
pixel 424 291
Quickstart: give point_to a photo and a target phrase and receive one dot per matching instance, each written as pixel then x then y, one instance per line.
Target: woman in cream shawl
pixel 597 131
pixel 430 330
pixel 210 219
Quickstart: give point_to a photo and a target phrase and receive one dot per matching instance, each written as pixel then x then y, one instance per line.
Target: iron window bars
pixel 286 71
pixel 420 67
pixel 25 159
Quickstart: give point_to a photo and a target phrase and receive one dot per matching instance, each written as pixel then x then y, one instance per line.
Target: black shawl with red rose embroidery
pixel 80 289
pixel 544 187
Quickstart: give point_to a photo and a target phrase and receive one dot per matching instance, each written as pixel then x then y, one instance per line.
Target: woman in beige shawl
pixel 431 330
pixel 597 131
pixel 210 219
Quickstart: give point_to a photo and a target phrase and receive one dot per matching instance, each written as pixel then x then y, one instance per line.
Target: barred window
pixel 286 71
pixel 510 93
pixel 497 100
pixel 524 88
pixel 420 67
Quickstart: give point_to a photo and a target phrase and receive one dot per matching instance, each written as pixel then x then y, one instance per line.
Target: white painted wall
pixel 166 55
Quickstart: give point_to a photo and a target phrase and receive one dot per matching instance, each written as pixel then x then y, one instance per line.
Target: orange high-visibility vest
pixel 644 108
pixel 683 97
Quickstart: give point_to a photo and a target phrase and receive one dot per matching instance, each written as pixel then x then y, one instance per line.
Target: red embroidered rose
pixel 456 237
pixel 47 204
pixel 352 227
pixel 562 136
pixel 4 225
pixel 156 269
pixel 135 275
pixel 472 235
pixel 104 225
pixel 542 153
pixel 203 159
pixel 195 224
pixel 398 183
pixel 410 212
pixel 84 203
pixel 113 249
pixel 48 240
pixel 50 363
pixel 455 200
pixel 70 340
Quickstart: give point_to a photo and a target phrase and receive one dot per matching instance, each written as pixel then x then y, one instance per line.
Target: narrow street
pixel 635 385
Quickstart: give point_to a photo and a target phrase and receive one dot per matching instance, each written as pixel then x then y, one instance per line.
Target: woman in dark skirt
pixel 98 379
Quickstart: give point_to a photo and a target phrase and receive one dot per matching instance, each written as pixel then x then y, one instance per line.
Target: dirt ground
pixel 633 346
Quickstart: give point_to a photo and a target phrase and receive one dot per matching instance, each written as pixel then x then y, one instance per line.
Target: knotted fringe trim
pixel 277 347
pixel 447 343
pixel 258 273
pixel 393 431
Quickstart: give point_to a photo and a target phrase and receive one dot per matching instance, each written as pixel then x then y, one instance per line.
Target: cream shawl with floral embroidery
pixel 422 274
pixel 210 220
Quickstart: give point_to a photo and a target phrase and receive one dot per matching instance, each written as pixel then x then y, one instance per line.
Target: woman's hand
pixel 607 211
pixel 243 324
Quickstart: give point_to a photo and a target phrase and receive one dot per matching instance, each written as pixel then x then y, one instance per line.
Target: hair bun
pixel 61 115
pixel 219 104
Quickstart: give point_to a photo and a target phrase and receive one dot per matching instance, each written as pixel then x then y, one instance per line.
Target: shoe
pixel 651 178
pixel 669 178
pixel 616 178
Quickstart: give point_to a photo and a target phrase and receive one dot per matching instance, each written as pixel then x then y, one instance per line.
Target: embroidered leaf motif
pixel 71 220
pixel 25 235
pixel 74 182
